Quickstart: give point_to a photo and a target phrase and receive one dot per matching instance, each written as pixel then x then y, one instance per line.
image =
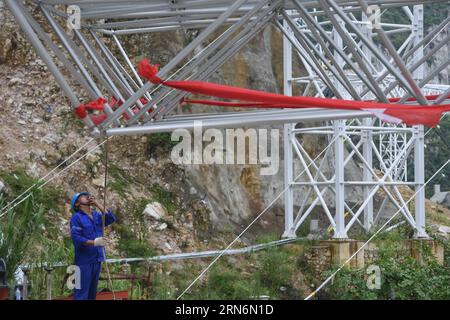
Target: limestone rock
pixel 442 198
pixel 51 138
pixel 444 229
pixel 161 227
pixel 15 81
pixel 99 182
pixel 155 210
pixel 92 158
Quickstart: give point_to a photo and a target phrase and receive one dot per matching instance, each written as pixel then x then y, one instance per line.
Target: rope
pixel 176 256
pixel 104 218
pixel 375 234
pixel 44 177
pixel 251 223
pixel 54 177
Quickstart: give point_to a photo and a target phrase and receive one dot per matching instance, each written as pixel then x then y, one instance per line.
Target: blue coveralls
pixel 88 258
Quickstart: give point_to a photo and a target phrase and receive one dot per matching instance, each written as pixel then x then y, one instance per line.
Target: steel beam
pixel 287 136
pixel 240 119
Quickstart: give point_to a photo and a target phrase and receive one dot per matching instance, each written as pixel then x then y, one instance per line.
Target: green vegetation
pixel 273 273
pixel 133 234
pixel 26 232
pixel 269 272
pixel 402 277
pixel 135 248
pixel 19 230
pixel 435 14
pixel 437 153
pixel 396 15
pixel 163 196
pixel 264 273
pixel 119 183
pixel 160 143
pixel 18 181
pixel 225 282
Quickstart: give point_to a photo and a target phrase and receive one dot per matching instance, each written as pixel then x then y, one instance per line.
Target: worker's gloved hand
pixel 99 242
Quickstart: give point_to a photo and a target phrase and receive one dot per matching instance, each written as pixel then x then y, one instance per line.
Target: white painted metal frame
pixel 353 140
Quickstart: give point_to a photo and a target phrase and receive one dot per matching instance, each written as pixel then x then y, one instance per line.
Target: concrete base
pixel 342 250
pixel 339 251
pixel 420 247
pixel 289 234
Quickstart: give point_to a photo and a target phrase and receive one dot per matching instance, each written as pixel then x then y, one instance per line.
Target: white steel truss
pixel 342 56
pixel 339 63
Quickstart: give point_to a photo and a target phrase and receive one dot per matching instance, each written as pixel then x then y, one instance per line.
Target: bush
pixel 402 277
pixel 276 268
pixel 23 228
pixel 350 284
pixel 163 196
pixel 135 248
pixel 18 182
pixel 226 282
pixel 160 143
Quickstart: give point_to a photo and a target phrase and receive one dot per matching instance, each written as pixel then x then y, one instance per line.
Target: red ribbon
pixel 411 115
pixel 82 110
pixel 149 71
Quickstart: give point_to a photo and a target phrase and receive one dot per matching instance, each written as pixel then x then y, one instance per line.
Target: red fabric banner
pixel 411 115
pixel 82 110
pixel 99 105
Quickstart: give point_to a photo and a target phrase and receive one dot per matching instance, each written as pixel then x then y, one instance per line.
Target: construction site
pixel 224 150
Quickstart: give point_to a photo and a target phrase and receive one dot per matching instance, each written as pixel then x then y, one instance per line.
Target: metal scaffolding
pixel 346 51
pixel 352 66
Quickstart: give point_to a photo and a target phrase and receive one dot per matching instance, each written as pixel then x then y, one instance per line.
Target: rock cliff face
pixel 13 47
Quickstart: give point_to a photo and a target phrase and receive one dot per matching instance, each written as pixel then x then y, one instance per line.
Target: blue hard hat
pixel 75 198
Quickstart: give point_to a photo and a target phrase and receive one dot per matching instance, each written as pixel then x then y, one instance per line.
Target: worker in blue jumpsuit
pixel 87 236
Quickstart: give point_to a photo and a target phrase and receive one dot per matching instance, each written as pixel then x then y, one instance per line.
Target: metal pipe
pixel 70 49
pixel 353 47
pixel 225 54
pixel 66 63
pixel 166 8
pixel 407 54
pixel 413 87
pixel 372 47
pixel 315 66
pixel 334 68
pixel 256 118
